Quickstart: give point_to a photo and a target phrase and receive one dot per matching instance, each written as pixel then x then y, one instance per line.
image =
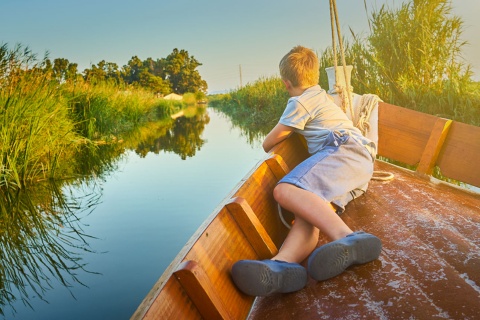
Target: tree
pixel 131 71
pixel 154 83
pixel 181 71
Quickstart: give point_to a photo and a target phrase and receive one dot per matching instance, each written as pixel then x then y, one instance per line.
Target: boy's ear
pixel 288 84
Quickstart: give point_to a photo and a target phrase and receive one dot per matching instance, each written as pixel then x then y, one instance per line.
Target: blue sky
pixel 222 34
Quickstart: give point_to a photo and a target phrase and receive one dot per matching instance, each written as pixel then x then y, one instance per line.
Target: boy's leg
pixel 311 208
pixel 299 243
pixel 312 212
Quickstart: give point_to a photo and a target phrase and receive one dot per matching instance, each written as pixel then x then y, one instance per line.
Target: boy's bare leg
pixel 311 212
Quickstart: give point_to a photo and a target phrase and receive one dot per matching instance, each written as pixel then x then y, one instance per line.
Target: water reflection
pixel 182 137
pixel 42 238
pixel 254 132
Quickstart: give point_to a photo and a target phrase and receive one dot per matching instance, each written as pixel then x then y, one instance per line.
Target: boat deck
pixel 430 261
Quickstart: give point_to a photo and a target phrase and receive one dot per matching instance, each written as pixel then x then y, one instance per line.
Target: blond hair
pixel 301 67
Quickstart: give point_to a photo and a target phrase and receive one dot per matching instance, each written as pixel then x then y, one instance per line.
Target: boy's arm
pixel 279 133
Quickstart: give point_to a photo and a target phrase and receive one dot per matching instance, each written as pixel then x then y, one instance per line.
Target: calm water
pixel 145 211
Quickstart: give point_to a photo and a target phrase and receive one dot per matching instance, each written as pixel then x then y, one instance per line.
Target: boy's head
pixel 301 67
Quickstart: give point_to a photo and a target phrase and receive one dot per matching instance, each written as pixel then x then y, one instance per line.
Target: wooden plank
pixel 403 133
pixel 460 156
pixel 196 283
pixel 254 231
pixel 277 165
pixel 258 192
pixel 174 304
pixel 434 145
pixel 293 151
pixel 216 250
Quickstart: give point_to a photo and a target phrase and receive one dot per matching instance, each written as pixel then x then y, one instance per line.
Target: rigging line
pixel 334 20
pixel 368 102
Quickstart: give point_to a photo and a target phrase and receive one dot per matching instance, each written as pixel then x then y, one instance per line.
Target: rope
pixel 382 176
pixel 339 89
pixel 367 104
pixel 280 214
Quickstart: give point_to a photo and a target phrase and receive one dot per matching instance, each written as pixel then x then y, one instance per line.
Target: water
pixel 147 210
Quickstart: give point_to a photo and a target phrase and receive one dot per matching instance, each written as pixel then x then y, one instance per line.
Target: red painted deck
pixel 430 262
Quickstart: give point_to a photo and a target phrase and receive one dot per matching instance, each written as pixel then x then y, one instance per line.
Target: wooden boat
pixel 430 261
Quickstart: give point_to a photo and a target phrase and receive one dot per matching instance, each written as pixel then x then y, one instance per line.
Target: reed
pixel 44 123
pixel 102 111
pixel 412 58
pixel 256 106
pixel 35 128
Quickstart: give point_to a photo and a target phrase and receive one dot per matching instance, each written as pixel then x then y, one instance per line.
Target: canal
pixel 134 218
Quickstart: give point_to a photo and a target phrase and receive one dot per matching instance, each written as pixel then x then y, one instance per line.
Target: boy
pixel 338 170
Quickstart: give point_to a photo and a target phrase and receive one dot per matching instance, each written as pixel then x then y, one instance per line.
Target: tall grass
pixel 35 128
pixel 43 123
pixel 257 106
pixel 412 58
pixel 102 111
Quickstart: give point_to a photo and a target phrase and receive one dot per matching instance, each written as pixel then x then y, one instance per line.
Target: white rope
pixel 334 20
pixel 367 104
pixel 280 214
pixel 382 176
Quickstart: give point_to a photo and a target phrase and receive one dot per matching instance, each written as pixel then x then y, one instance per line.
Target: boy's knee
pixel 280 192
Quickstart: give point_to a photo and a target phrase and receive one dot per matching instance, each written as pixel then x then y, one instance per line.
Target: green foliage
pixel 46 116
pixel 35 128
pixel 181 71
pixel 256 107
pixel 412 58
pixel 177 72
pixel 189 99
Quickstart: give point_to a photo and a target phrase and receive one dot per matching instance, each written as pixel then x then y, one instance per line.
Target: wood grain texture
pixel 430 233
pixel 434 145
pixel 402 133
pixel 460 156
pixel 429 263
pixel 200 290
pixel 252 228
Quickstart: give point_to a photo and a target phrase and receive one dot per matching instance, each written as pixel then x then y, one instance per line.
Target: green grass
pixel 256 107
pixel 44 123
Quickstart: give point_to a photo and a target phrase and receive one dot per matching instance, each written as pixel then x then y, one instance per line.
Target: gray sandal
pixel 265 277
pixel 333 258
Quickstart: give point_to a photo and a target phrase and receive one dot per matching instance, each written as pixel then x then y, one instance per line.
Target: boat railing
pixel 427 141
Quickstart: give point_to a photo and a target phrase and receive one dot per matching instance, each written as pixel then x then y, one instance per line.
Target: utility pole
pixel 240 69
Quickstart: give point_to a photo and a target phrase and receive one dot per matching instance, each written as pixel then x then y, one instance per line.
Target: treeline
pixel 176 73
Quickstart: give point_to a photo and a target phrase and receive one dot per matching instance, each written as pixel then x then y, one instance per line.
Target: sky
pixel 237 42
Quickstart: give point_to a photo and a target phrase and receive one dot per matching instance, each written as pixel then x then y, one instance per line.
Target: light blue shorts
pixel 338 173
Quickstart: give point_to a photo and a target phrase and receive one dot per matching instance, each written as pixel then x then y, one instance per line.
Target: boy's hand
pixel 279 133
